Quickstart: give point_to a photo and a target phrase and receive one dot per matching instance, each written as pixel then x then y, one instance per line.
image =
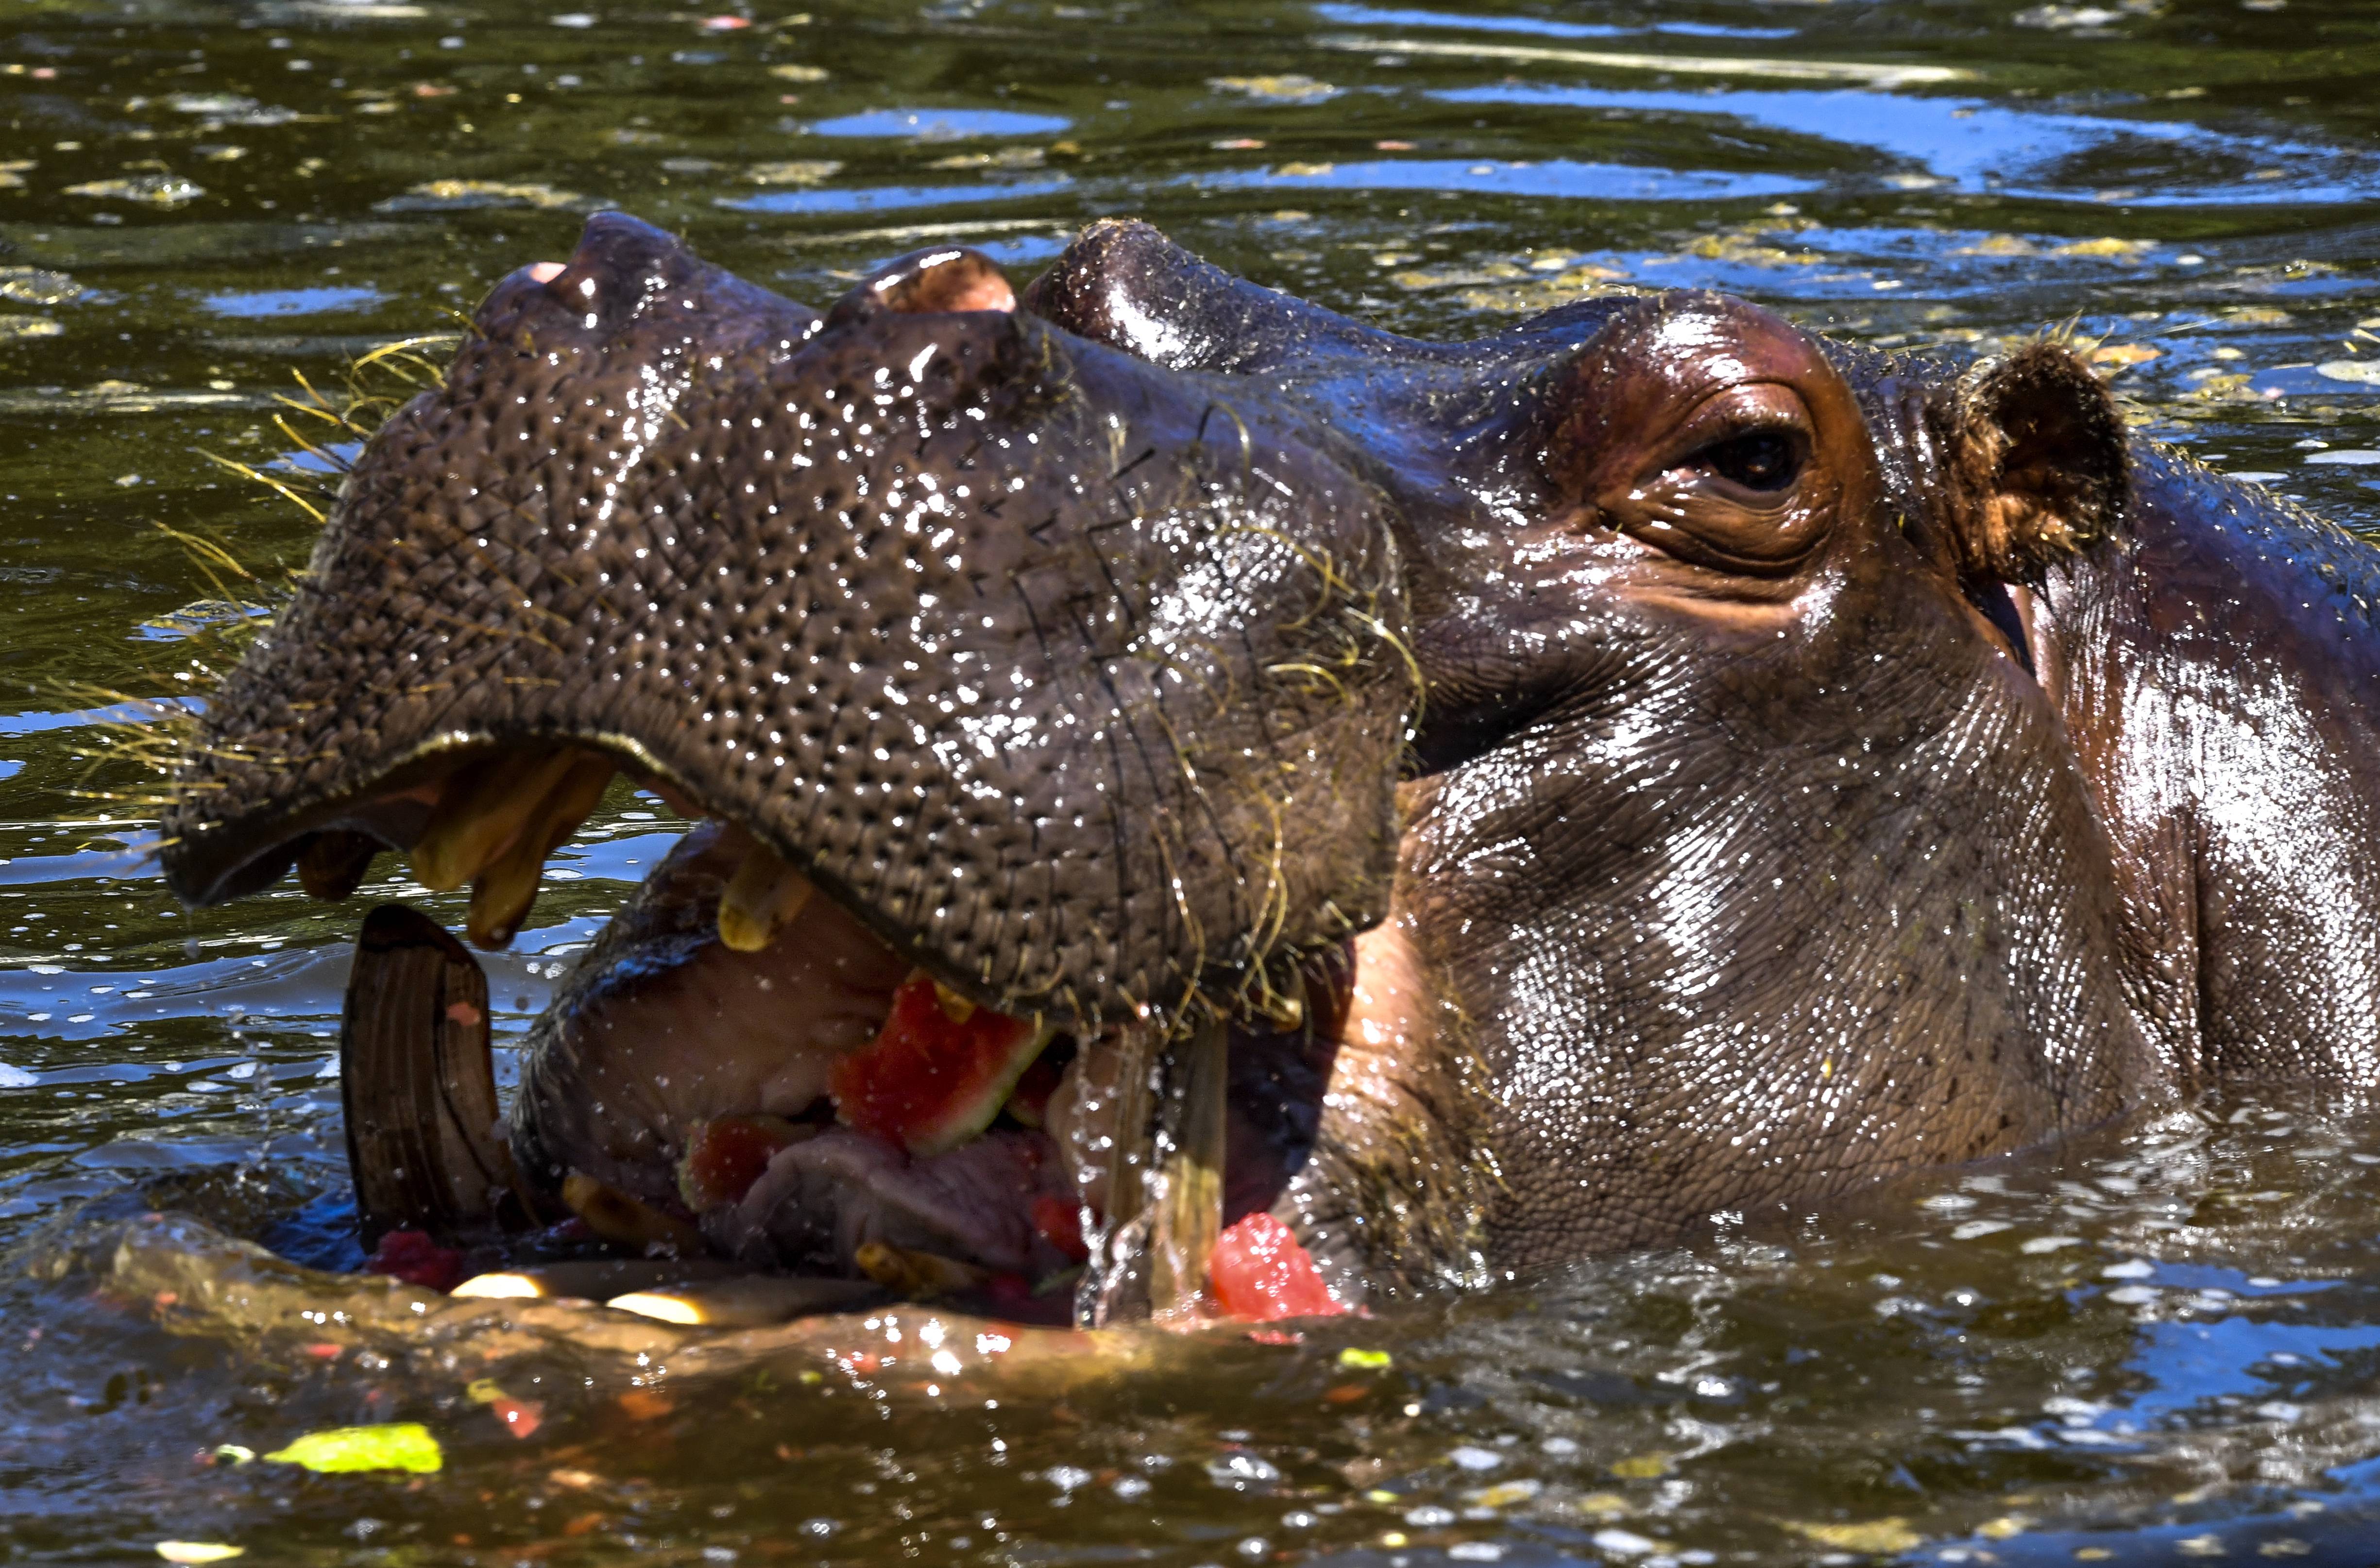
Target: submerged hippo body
pixel 1645 763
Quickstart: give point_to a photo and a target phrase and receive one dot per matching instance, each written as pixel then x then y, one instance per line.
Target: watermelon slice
pixel 725 1156
pixel 939 1072
pixel 1262 1273
pixel 1028 1102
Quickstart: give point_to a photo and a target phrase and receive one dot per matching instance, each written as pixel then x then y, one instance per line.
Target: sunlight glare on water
pixel 2158 1346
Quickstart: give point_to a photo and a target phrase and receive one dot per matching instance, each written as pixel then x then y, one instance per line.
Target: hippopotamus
pixel 1648 764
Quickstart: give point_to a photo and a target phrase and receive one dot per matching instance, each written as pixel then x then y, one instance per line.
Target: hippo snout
pixel 1077 679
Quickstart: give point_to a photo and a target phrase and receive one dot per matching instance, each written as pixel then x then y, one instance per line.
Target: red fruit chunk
pixel 521 1417
pixel 1030 1101
pixel 1262 1273
pixel 411 1255
pixel 724 1156
pixel 1060 1224
pixel 938 1073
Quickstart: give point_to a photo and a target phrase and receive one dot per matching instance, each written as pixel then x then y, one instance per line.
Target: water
pixel 2159 1345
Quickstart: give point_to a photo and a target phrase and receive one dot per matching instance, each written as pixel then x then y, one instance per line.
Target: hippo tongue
pixel 988 1202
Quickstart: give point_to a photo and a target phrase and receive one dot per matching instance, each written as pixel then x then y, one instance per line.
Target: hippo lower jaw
pixel 719 1009
pixel 705 1073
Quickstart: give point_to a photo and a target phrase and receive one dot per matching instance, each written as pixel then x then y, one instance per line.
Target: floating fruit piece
pixel 401 1445
pixel 521 1417
pixel 198 1552
pixel 725 1156
pixel 751 1301
pixel 592 1279
pixel 933 1081
pixel 1262 1273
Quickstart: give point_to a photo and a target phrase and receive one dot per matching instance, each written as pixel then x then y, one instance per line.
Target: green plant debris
pixel 400 1445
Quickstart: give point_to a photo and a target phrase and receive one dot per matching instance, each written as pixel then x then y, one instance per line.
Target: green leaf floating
pixel 401 1445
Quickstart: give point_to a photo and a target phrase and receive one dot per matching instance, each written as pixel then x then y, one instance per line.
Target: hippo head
pixel 1080 683
pixel 1746 858
pixel 1076 645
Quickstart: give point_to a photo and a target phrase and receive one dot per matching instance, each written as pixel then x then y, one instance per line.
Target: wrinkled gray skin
pixel 1025 654
pixel 1826 763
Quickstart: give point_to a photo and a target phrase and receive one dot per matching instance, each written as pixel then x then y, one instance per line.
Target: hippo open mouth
pixel 1026 677
pixel 819 1104
pixel 1048 664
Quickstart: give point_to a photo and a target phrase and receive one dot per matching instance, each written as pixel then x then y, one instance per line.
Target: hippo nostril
pixel 947 279
pixel 545 271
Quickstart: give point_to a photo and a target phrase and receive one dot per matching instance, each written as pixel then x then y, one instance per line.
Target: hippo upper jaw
pixel 973 624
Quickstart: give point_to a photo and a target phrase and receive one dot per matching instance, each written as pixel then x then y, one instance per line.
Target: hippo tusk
pixel 1187 1215
pixel 624 1220
pixel 333 865
pixel 421 1122
pixel 480 812
pixel 506 888
pixel 1155 1149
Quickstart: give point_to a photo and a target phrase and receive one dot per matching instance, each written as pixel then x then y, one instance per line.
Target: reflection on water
pixel 2158 1346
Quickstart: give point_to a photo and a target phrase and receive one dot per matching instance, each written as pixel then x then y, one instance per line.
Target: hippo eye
pixel 1758 460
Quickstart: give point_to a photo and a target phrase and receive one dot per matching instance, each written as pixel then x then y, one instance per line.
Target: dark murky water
pixel 2160 1345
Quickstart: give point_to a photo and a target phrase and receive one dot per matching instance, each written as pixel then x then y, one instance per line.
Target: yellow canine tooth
pixel 483 807
pixel 502 897
pixel 764 894
pixel 955 1007
pixel 627 1221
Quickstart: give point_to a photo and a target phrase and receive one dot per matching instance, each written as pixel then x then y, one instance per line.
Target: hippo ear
pixel 2036 452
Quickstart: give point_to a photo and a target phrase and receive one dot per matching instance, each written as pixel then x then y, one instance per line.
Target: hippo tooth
pixel 1188 1213
pixel 955 1007
pixel 627 1221
pixel 507 887
pixel 333 865
pixel 480 812
pixel 906 1272
pixel 763 895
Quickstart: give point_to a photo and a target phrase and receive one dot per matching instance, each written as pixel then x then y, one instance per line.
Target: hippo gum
pixel 1479 803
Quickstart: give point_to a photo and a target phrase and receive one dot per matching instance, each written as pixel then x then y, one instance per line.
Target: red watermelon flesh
pixel 725 1156
pixel 1260 1272
pixel 939 1070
